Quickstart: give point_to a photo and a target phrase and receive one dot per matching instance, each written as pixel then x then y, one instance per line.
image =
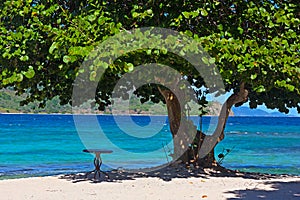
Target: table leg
pixel 97 164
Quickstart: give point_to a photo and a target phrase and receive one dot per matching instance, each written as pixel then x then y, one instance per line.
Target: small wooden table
pixel 97 161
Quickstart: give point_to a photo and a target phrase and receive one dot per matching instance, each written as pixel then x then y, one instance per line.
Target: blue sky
pixel 223 98
pixel 264 108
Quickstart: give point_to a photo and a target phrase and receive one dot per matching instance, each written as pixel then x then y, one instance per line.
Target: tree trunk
pixel 182 130
pixel 197 149
pixel 207 143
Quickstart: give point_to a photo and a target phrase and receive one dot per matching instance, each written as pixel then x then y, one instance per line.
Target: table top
pixel 97 151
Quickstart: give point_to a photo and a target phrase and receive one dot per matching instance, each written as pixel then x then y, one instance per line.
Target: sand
pixel 154 186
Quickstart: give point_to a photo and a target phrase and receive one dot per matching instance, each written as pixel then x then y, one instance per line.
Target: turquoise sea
pixel 38 144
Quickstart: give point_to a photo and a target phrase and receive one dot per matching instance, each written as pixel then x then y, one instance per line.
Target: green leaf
pixel 5 81
pixel 53 47
pixel 19 77
pixel 149 12
pixel 24 58
pixel 220 27
pixel 241 30
pixel 164 50
pixel 156 52
pixel 130 67
pixel 189 33
pixel 67 59
pixel 75 50
pixel 104 65
pixel 291 87
pixel 253 76
pixel 204 12
pixel 93 76
pixel 260 89
pixel 195 14
pixel 186 14
pixel 30 73
pixel 205 60
pixel 91 18
pixel 101 20
pixel 212 60
pixel 135 14
pixel 26 10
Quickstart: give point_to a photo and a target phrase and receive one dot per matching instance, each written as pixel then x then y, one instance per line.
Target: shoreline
pixel 172 169
pixel 241 173
pixel 126 186
pixel 143 115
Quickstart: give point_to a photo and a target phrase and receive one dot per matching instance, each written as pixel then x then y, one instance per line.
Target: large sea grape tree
pixel 254 44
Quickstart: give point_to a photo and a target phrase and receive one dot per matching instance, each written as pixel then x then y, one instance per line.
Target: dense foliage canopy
pixel 44 42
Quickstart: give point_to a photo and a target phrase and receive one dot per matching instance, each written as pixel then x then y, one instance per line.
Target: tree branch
pixel 211 141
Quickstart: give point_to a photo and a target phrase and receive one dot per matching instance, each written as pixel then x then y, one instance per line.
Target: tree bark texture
pixel 207 143
pixel 190 145
pixel 183 131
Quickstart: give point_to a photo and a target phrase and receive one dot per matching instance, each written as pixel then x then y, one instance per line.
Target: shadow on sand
pixel 167 173
pixel 279 190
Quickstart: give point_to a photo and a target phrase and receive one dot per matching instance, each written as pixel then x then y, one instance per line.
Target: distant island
pixel 10 103
pixel 245 111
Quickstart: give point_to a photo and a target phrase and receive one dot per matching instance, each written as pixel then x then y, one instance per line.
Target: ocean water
pixel 38 145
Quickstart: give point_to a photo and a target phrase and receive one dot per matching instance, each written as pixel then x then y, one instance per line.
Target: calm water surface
pixel 33 145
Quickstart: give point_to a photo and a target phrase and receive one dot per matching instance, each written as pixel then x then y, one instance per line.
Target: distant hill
pixel 10 103
pixel 245 111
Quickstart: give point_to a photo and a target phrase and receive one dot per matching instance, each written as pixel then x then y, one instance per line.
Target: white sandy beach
pixel 153 188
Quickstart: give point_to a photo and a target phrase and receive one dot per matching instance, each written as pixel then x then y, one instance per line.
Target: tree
pixel 254 44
